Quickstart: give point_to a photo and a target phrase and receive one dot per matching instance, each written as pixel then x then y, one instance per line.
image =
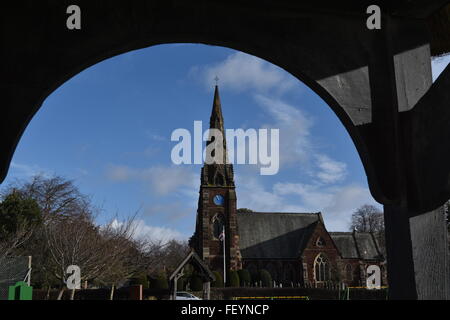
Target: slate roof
pixel 358 245
pixel 274 235
pixel 345 243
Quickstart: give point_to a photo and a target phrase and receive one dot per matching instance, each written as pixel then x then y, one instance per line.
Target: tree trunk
pixel 47 297
pixel 72 294
pixel 61 292
pixel 111 296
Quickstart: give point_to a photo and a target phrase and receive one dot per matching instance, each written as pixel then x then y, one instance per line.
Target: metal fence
pixel 12 270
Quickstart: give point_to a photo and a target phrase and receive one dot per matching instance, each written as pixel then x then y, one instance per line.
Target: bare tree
pixel 10 249
pixel 131 256
pixel 9 246
pixel 98 251
pixel 59 201
pixel 68 235
pixel 367 218
pixel 56 196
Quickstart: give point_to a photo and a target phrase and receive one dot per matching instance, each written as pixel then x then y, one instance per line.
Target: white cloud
pixel 174 211
pixel 252 195
pixel 167 179
pixel 120 173
pixel 330 171
pixel 296 147
pixel 295 127
pixel 152 233
pixel 242 72
pixel 239 72
pixel 345 200
pixel 438 65
pixel 155 136
pixel 337 203
pixel 25 170
pixel 162 180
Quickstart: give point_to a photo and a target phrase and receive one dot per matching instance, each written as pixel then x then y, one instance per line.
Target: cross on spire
pixel 216 79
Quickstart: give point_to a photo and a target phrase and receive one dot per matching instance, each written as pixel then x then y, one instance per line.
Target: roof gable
pixel 320 231
pixel 195 260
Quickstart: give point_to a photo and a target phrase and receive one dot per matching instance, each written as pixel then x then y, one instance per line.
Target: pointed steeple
pixel 216 120
pixel 216 173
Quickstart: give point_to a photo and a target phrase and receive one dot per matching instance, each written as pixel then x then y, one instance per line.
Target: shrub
pixel 196 283
pixel 244 277
pixel 254 275
pixel 265 278
pixel 234 279
pixel 140 279
pixel 218 283
pixel 160 282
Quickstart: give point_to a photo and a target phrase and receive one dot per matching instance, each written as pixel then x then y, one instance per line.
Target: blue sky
pixel 109 129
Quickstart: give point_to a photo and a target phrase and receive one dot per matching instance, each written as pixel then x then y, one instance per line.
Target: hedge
pixel 234 279
pixel 218 283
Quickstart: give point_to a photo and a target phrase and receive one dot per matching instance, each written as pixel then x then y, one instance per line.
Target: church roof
pixel 357 245
pixel 272 235
pixel 345 243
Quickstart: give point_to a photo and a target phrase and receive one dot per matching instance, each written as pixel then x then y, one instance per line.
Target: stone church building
pixel 295 248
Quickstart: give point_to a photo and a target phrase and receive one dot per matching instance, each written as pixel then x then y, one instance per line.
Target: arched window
pixel 218 224
pixel 349 272
pixel 321 268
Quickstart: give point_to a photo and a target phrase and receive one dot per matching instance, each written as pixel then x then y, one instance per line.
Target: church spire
pixel 217 173
pixel 216 122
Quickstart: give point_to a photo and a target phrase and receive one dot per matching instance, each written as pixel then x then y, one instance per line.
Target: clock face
pixel 218 200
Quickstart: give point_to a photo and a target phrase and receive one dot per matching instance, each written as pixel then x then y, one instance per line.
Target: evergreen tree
pixel 234 279
pixel 265 278
pixel 218 283
pixel 244 277
pixel 160 282
pixel 18 211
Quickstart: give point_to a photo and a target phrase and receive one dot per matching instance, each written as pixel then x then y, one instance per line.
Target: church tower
pixel 217 205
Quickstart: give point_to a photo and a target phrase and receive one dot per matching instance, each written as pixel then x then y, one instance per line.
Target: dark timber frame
pixel 202 270
pixel 378 82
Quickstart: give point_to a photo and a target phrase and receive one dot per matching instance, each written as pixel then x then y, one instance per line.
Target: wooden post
pixel 206 290
pixel 417 252
pixel 174 291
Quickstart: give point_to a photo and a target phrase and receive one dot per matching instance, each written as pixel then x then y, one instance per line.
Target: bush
pixel 140 279
pixel 160 282
pixel 218 283
pixel 234 279
pixel 265 278
pixel 254 275
pixel 244 278
pixel 196 283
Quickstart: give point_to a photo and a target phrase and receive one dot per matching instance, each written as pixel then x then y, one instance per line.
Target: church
pixel 295 248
